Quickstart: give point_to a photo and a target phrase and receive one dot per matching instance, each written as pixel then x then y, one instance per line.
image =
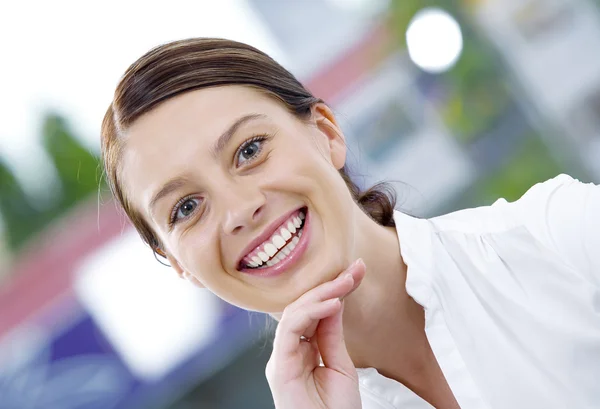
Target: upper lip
pixel 265 235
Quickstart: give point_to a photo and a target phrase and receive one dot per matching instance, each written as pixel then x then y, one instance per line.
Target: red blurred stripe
pixel 45 269
pixel 353 64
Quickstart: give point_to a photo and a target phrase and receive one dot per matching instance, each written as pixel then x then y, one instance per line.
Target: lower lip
pixel 287 262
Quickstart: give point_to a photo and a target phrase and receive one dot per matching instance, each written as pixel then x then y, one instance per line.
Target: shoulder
pixel 558 210
pixel 564 214
pixel 561 214
pixel 502 215
pixel 476 220
pixel 562 191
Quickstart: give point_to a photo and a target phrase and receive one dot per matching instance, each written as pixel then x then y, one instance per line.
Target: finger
pixel 354 275
pixel 294 324
pixel 302 317
pixel 339 287
pixel 330 340
pixel 347 285
pixel 312 357
pixel 343 285
pixel 358 271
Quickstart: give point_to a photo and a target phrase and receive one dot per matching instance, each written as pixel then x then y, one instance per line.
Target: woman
pixel 230 169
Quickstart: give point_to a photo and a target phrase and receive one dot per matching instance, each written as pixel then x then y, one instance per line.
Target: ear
pixel 182 273
pixel 327 124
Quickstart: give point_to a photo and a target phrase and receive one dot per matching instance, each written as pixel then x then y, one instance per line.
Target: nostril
pixel 257 213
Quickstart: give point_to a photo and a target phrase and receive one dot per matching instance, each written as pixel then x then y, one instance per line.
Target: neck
pixel 383 325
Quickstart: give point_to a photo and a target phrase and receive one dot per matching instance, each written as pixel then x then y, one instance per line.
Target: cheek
pixel 198 254
pixel 200 257
pixel 301 167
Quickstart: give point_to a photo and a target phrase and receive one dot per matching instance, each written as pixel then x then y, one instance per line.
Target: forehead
pixel 205 110
pixel 163 142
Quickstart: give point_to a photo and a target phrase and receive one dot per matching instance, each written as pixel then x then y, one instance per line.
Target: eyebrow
pixel 226 136
pixel 175 183
pixel 169 187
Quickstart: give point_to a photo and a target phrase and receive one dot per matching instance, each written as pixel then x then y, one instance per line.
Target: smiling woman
pixel 191 65
pixel 189 148
pixel 229 168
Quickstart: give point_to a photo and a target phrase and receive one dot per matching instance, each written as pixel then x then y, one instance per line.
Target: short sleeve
pixel 379 392
pixel 564 214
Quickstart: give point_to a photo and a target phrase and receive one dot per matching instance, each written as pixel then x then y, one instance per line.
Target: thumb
pixel 330 340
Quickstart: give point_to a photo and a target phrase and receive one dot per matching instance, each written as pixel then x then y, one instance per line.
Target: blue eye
pixel 250 149
pixel 184 209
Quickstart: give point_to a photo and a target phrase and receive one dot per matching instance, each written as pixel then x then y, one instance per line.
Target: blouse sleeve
pixel 564 215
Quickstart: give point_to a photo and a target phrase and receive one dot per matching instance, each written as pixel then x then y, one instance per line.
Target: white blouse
pixel 511 294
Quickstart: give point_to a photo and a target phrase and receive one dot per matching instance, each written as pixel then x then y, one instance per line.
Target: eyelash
pixel 173 217
pixel 258 138
pixel 248 142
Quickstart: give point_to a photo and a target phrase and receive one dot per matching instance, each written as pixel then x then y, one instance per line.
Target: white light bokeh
pixel 154 320
pixel 434 40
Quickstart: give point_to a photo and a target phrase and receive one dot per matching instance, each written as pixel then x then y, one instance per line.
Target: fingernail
pixel 344 276
pixel 356 263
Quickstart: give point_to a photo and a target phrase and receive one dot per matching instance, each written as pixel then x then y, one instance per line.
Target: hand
pixel 311 328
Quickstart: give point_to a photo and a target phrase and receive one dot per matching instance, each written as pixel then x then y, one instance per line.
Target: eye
pixel 183 209
pixel 250 149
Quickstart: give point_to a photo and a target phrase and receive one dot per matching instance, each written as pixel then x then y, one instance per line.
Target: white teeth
pixel 275 260
pixel 291 228
pixel 285 233
pixel 278 241
pixel 270 249
pixel 284 252
pixel 280 244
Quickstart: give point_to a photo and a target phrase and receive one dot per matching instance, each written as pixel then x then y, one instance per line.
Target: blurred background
pixel 457 102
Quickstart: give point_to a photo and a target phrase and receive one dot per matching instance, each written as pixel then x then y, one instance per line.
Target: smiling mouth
pixel 279 246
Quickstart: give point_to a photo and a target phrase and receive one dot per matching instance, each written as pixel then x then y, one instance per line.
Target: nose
pixel 244 207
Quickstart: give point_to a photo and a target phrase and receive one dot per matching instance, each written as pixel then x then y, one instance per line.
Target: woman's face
pixel 225 176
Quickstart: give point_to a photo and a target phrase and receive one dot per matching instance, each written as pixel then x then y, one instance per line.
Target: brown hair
pixel 186 65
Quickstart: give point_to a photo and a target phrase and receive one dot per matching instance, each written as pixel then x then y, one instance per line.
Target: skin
pixel 296 167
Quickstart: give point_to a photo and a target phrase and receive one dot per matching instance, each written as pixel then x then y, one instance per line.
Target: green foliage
pixel 20 218
pixel 475 92
pixel 475 97
pixel 77 170
pixel 530 165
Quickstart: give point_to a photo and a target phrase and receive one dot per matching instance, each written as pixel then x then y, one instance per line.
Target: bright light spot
pixel 434 40
pixel 154 320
